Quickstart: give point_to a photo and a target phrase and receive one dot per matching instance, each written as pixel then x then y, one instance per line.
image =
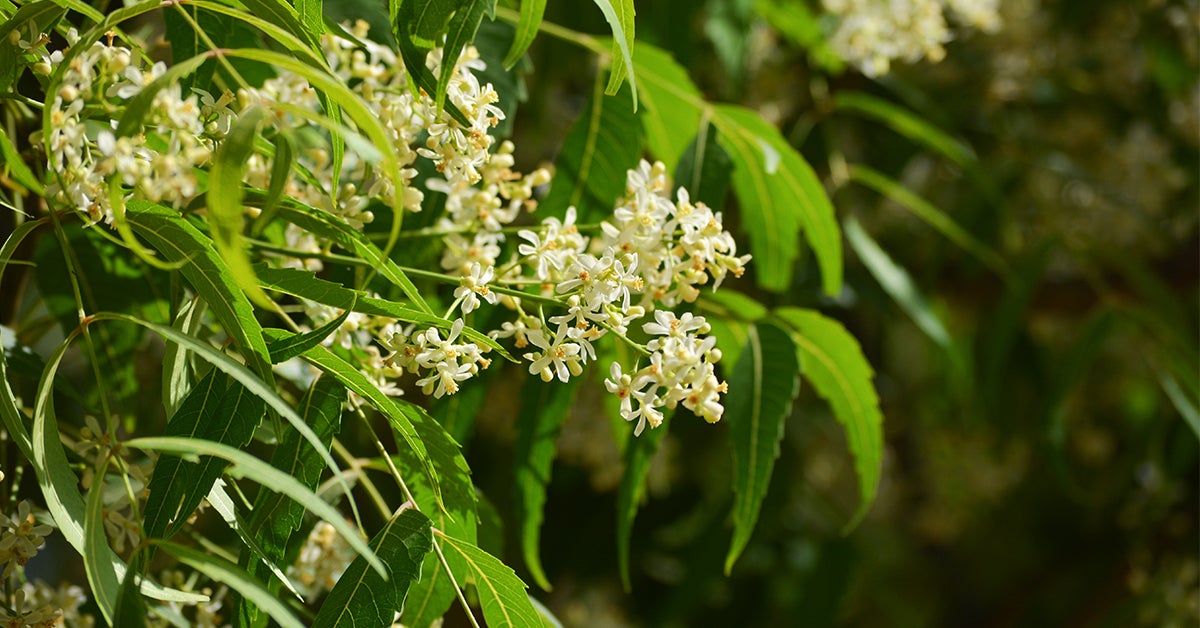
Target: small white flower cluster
pixel 159 160
pixel 655 252
pixel 447 361
pixel 871 34
pixel 104 77
pixel 680 369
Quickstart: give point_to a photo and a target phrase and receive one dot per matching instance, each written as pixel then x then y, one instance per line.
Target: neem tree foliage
pixel 283 250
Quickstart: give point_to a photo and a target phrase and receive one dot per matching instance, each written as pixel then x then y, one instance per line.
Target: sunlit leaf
pixel 12 165
pixel 671 104
pixel 178 241
pixel 60 485
pixel 216 409
pixel 501 592
pixel 432 596
pixel 102 575
pixel 244 465
pixel 544 408
pixel 305 284
pixel 398 412
pixel 460 32
pixel 417 26
pixel 779 195
pixel 38 16
pixel 176 379
pixel 619 14
pixel 361 596
pixel 527 28
pixel 832 361
pixel 351 240
pixel 275 517
pixel 226 215
pixel 590 172
pixel 761 391
pixel 284 350
pixel 244 377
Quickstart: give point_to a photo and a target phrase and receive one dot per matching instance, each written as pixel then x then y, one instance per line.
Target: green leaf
pixel 905 123
pixel 281 172
pixel 305 284
pixel 590 170
pixel 311 17
pixel 620 20
pixel 344 236
pixel 36 15
pixel 927 212
pixel 284 350
pixel 217 409
pixel 761 392
pixel 527 28
pixel 671 104
pixel 544 408
pixel 338 98
pixel 179 241
pixel 457 412
pixel 778 194
pixel 731 335
pixel 429 18
pixel 13 165
pixel 14 419
pixel 236 578
pixel 223 504
pixel 131 608
pixel 432 596
pixel 416 26
pixel 460 32
pixel 638 453
pixel 244 465
pixel 226 214
pixel 60 486
pixel 108 280
pixel 295 43
pixel 705 169
pixel 244 377
pixel 285 16
pixel 362 597
pixel 102 575
pixel 176 379
pixel 401 414
pixel 501 593
pixel 275 517
pixel 832 361
pixel 897 283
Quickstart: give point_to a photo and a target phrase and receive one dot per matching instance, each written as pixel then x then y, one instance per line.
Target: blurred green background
pixel 1039 469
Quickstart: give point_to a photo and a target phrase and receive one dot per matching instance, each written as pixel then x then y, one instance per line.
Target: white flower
pixel 557 357
pixel 474 285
